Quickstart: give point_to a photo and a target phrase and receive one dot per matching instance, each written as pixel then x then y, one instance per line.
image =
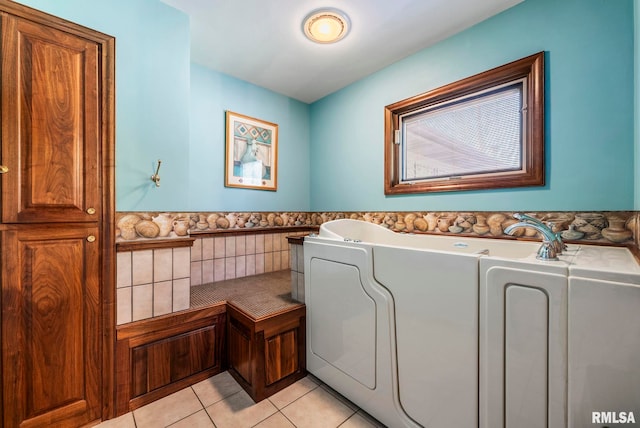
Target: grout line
pixel 202 404
pixel 285 416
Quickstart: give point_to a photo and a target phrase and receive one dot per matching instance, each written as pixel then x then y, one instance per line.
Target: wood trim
pixel 153 244
pixel 268 317
pixel 53 21
pixel 295 240
pixel 167 322
pixel 249 231
pixel 108 228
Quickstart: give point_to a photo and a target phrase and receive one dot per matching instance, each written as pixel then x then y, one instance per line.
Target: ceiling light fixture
pixel 326 25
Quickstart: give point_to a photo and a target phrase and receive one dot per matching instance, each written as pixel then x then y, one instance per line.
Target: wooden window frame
pixel 532 171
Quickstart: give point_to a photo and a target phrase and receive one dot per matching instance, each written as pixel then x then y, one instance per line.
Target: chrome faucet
pixel 547 250
pixel 558 244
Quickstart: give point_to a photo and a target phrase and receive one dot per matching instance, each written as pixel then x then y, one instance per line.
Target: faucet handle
pixel 559 244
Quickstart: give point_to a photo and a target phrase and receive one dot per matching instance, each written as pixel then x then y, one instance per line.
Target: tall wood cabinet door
pixel 50 124
pixel 51 341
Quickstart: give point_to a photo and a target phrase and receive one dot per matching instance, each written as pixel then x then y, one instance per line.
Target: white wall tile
pixel 207 249
pixel 229 268
pixel 162 264
pixel 293 261
pixel 276 241
pixel 259 263
pixel 277 261
pixel 218 269
pixel 142 302
pixel 268 262
pixel 241 266
pixel 268 242
pixel 162 298
pixel 196 250
pixel 294 285
pixel 181 294
pixel 300 287
pixel 142 262
pixel 181 262
pixel 250 244
pixel 260 243
pixel 123 305
pixel 220 244
pixel 196 273
pixel 230 246
pixel 241 243
pixel 207 271
pixel 123 263
pixel 250 265
pixel 300 258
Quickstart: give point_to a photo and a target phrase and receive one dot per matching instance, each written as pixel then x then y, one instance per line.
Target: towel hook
pixel 155 177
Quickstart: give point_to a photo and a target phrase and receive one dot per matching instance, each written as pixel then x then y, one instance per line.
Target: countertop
pixel 259 296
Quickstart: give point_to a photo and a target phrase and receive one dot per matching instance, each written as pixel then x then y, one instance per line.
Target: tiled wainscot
pixel 161 255
pixel 152 282
pixel 297 267
pixel 157 281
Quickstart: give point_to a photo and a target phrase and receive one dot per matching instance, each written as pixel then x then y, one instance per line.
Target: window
pixel 483 132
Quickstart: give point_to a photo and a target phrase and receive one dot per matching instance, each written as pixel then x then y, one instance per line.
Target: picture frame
pixel 251 159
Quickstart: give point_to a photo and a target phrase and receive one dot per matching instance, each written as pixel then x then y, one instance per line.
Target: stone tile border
pixel 606 227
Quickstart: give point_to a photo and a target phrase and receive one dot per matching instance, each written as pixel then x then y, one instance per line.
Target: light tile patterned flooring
pixel 220 402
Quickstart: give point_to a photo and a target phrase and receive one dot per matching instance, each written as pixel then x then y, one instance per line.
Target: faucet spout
pixel 547 251
pixel 557 242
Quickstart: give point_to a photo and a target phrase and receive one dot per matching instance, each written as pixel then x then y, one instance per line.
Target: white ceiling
pixel 261 41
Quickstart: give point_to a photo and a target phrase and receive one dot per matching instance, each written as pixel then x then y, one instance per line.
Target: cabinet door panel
pixel 281 356
pixel 239 349
pixel 161 363
pixel 50 326
pixel 50 125
pixel 523 343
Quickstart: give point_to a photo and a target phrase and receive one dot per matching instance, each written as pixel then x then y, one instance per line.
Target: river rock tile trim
pixel 617 227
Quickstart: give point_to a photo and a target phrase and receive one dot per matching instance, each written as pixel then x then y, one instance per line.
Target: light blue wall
pixel 636 104
pixel 166 110
pixel 213 93
pixel 152 95
pixel 589 112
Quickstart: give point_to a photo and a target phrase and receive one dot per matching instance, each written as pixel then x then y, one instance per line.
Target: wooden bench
pixel 249 325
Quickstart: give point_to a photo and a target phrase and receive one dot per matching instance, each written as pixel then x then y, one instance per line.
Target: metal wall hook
pixel 155 177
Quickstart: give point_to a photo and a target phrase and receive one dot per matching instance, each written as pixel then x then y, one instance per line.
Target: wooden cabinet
pixel 56 215
pixel 268 354
pixel 159 356
pixel 50 326
pixel 51 130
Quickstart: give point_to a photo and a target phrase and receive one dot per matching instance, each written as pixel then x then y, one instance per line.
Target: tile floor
pixel 220 402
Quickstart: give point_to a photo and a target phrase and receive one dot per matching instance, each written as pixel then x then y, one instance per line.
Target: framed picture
pixel 252 153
